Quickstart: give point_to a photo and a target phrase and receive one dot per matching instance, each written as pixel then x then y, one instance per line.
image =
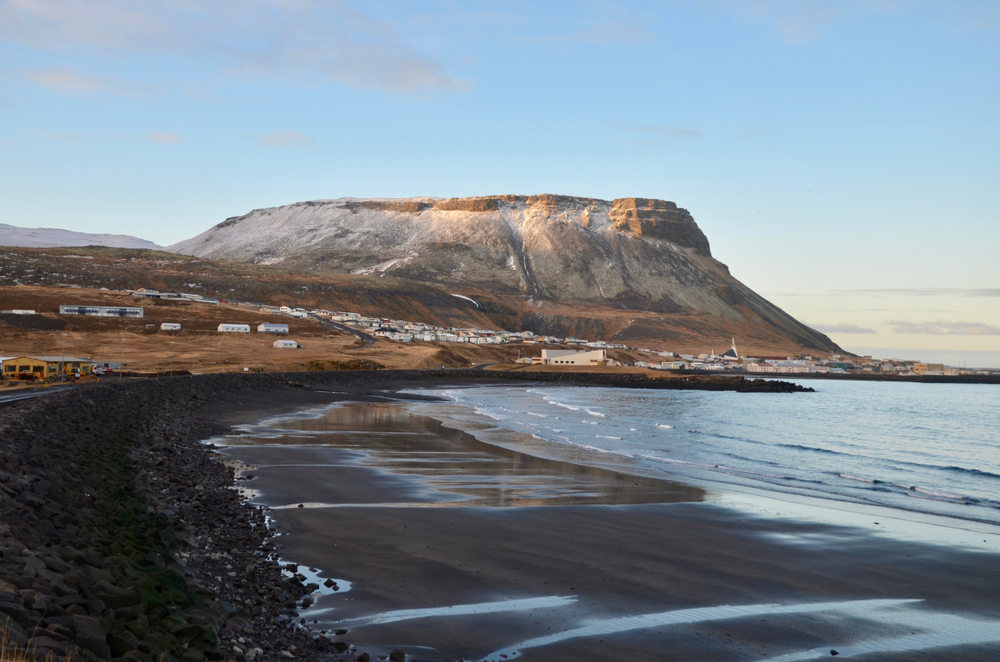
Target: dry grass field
pixel 198 347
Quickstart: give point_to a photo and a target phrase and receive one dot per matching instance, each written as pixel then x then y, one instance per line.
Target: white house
pixel 234 328
pixel 570 357
pixel 272 328
pixel 170 326
pixel 286 344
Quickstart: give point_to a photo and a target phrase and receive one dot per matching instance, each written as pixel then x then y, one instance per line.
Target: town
pixel 569 351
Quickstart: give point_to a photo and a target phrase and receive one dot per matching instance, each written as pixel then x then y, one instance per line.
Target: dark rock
pixel 135 656
pixel 122 642
pixel 155 643
pixel 26 618
pixel 397 655
pixel 42 645
pixel 115 597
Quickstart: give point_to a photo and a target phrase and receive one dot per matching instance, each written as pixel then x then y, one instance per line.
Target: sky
pixel 841 155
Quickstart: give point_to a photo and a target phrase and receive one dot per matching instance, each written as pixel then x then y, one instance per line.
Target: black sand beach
pixel 122 538
pixel 415 516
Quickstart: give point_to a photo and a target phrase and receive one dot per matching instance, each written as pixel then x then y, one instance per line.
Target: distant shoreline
pixel 923 379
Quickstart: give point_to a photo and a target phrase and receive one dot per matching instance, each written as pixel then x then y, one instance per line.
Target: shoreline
pixel 422 549
pixel 400 538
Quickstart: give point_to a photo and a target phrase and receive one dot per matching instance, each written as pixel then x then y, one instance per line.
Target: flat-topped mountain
pixel 537 251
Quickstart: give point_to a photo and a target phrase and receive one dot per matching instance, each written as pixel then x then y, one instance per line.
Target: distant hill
pixel 11 235
pixel 627 269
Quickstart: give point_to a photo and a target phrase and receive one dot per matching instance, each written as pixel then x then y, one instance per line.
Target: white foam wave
pixel 857 478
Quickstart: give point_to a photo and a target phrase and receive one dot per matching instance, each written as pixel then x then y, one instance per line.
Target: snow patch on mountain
pixel 11 235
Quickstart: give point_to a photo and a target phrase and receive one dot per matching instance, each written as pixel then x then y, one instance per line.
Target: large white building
pixel 234 328
pixel 266 327
pixel 571 357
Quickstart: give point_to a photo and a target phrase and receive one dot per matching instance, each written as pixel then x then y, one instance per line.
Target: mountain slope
pixel 11 235
pixel 533 255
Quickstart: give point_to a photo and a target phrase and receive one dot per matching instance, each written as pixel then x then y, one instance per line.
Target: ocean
pixel 923 448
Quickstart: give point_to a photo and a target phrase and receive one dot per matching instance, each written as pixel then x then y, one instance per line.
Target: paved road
pixel 367 339
pixel 17 396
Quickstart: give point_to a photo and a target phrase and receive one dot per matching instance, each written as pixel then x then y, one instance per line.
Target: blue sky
pixel 840 156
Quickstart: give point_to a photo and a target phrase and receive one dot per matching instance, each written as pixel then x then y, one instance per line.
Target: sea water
pixel 926 448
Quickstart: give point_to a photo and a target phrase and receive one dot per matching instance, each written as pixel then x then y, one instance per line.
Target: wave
pixel 596 413
pixel 813 449
pixel 943 495
pixel 664 426
pixel 959 500
pixel 602 436
pixel 964 470
pixel 860 479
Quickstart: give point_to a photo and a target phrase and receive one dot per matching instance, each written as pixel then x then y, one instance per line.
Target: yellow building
pixel 920 368
pixel 40 368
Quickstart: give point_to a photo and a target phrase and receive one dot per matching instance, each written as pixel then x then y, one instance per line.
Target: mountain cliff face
pixel 537 251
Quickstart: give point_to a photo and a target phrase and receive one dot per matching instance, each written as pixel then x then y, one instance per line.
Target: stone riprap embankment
pixel 122 538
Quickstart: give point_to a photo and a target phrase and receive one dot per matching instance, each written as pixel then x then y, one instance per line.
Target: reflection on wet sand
pixel 429 525
pixel 458 467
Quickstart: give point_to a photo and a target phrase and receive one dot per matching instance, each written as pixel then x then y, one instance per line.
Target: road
pixel 365 338
pixel 17 396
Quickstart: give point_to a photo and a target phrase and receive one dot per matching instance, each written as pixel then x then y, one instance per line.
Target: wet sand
pixel 414 516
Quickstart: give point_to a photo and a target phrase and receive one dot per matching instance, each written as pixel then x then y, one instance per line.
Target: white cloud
pixel 286 138
pixel 944 328
pixel 165 138
pixel 297 41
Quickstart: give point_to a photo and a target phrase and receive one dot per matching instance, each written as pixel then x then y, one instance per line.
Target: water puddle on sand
pixel 525 604
pixel 939 629
pixel 441 464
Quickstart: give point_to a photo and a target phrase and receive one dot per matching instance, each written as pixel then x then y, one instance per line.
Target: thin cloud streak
pixel 299 41
pixel 165 138
pixel 899 291
pixel 686 133
pixel 286 139
pixel 609 33
pixel 62 137
pixel 842 328
pixel 71 80
pixel 800 21
pixel 944 328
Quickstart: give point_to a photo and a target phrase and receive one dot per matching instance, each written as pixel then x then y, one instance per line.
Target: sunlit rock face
pixel 629 253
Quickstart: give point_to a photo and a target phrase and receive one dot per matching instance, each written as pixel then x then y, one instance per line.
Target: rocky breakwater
pixel 120 537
